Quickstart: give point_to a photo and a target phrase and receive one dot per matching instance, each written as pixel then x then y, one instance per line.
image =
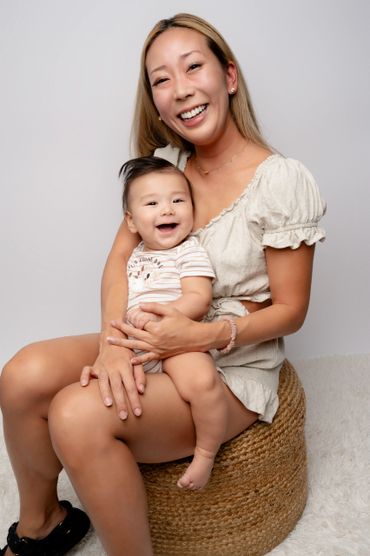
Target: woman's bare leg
pixel 99 452
pixel 198 383
pixel 27 385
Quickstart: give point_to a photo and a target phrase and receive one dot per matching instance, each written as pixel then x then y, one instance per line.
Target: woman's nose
pixel 183 88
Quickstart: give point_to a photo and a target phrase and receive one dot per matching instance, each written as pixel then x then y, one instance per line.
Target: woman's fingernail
pixel 108 402
pixel 123 415
pixel 84 382
pixel 141 388
pixel 137 411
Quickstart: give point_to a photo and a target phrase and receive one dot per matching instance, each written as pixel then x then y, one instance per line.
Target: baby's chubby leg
pixel 198 382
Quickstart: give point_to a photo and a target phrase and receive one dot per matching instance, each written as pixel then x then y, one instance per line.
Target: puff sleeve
pixel 289 206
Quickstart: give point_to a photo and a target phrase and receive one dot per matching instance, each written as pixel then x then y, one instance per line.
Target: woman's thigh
pixel 164 432
pixel 38 371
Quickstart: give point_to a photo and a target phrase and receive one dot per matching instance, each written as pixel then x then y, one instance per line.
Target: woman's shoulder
pixel 173 154
pixel 282 180
pixel 278 170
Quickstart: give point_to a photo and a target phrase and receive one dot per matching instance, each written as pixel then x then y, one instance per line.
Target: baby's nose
pixel 167 208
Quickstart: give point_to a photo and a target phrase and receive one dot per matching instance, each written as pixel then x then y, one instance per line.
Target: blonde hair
pixel 148 133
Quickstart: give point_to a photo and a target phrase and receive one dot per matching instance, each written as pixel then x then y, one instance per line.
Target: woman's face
pixel 190 87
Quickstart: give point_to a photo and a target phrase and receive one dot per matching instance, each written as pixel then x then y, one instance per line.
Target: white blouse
pixel 280 207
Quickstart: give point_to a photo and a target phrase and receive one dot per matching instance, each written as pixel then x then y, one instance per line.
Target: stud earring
pixel 159 118
pixel 232 91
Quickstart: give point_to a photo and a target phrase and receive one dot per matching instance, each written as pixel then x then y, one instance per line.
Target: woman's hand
pixel 120 381
pixel 174 333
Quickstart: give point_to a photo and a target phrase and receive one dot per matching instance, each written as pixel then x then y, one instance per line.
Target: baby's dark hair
pixel 141 166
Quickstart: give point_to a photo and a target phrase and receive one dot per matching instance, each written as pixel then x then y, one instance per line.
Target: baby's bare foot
pixel 197 474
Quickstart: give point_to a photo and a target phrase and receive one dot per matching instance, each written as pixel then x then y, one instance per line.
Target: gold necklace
pixel 230 161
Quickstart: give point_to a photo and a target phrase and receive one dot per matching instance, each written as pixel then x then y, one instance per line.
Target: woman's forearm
pixel 274 321
pixel 263 325
pixel 113 302
pixel 114 281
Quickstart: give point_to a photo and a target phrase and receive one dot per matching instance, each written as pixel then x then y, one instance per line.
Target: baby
pixel 169 266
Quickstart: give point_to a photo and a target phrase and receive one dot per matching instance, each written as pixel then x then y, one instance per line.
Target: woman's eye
pixel 194 66
pixel 159 81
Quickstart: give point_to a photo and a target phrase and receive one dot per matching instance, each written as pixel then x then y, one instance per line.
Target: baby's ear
pixel 130 223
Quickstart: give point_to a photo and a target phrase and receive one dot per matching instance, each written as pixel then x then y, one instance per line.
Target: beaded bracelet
pixel 233 332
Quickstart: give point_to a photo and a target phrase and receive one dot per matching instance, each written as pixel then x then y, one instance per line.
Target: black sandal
pixel 61 539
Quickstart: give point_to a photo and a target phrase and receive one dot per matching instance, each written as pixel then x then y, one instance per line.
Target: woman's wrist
pixel 112 350
pixel 232 332
pixel 109 330
pixel 212 335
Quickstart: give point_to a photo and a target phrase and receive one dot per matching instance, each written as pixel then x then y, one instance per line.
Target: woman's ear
pixel 130 222
pixel 231 78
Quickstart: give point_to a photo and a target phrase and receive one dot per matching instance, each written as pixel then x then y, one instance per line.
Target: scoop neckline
pixel 243 194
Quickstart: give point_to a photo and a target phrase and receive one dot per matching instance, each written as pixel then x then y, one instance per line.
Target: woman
pixel 260 239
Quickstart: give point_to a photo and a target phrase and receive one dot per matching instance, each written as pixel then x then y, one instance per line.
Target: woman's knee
pixel 24 379
pixel 75 424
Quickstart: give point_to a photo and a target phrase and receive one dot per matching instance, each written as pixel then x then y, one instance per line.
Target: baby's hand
pixel 139 318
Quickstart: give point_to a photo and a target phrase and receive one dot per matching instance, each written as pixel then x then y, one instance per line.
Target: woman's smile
pixel 191 114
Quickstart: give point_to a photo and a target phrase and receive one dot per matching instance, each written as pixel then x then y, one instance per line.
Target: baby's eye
pixel 179 200
pixel 151 203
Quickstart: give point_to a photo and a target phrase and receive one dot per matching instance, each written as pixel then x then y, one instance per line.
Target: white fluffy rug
pixel 336 521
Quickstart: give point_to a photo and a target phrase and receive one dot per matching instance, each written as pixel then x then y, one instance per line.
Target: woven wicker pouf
pixel 256 494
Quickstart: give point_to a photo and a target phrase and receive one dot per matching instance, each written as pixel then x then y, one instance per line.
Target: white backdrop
pixel 68 73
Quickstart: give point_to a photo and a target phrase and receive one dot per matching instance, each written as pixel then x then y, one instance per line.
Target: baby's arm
pixel 196 297
pixel 194 302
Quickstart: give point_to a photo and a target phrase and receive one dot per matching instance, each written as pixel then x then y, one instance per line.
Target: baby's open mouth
pixel 165 227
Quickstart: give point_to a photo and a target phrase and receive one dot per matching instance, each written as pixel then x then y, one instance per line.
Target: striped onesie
pixel 156 276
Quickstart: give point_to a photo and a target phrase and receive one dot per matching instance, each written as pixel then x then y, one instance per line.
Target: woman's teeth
pixel 193 113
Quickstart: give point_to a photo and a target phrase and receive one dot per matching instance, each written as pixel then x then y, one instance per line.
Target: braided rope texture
pixel 256 494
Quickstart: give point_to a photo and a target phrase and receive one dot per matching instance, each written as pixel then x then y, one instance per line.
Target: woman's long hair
pixel 148 132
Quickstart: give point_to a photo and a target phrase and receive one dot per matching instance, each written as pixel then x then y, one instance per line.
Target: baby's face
pixel 160 209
